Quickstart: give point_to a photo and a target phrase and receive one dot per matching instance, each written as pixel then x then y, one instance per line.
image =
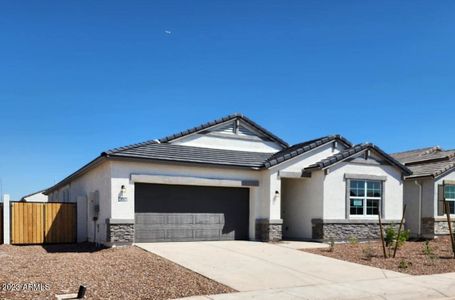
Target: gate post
pixel 6 219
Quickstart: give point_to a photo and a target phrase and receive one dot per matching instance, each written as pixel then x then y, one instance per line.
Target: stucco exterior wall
pixel 429 198
pixel 302 201
pixel 121 172
pixel 80 191
pixel 38 197
pixel 335 189
pixel 292 191
pixel 411 194
pixel 218 142
pixel 304 160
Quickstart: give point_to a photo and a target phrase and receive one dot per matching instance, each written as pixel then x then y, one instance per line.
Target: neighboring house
pixel 433 179
pixel 233 179
pixel 35 197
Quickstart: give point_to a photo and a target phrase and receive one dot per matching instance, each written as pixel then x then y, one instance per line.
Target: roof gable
pixel 231 125
pixel 353 152
pixel 304 147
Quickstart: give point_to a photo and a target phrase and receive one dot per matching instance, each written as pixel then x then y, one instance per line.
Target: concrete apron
pixel 254 266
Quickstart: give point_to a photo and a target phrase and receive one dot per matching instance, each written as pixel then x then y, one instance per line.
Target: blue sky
pixel 80 77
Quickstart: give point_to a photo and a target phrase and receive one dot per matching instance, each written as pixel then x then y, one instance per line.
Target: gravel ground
pixel 116 273
pixel 410 258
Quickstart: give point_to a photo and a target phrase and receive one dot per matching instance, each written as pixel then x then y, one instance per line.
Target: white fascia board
pixel 289 174
pixel 190 180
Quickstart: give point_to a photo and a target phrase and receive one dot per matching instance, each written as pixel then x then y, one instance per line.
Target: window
pixel 365 197
pixel 449 195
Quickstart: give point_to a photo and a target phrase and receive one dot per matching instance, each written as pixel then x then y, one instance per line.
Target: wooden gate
pixel 1 223
pixel 43 223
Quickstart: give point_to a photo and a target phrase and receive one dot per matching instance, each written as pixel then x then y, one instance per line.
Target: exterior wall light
pixel 276 197
pixel 122 195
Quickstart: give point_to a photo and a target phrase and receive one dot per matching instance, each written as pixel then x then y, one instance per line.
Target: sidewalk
pixel 441 286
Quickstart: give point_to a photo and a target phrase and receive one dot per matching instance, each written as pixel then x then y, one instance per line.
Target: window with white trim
pixel 449 195
pixel 365 197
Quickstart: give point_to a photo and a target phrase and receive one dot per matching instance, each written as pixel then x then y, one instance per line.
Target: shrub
pixel 391 237
pixel 404 264
pixel 428 251
pixel 404 236
pixel 353 240
pixel 331 244
pixel 368 251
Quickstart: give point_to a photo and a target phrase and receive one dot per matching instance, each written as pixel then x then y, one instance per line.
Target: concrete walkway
pixel 253 266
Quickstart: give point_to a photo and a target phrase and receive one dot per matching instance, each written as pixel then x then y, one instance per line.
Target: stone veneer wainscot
pixel 436 226
pixel 269 230
pixel 120 231
pixel 343 230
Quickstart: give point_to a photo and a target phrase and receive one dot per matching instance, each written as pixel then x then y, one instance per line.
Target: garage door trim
pixel 191 180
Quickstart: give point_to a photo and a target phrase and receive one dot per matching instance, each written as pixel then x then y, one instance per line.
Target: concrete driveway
pixel 251 266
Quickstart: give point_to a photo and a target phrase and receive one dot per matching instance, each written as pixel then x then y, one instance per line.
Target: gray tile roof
pixel 423 155
pixel 427 162
pixel 182 153
pixel 432 169
pixel 300 148
pixel 190 154
pixel 329 161
pixel 412 155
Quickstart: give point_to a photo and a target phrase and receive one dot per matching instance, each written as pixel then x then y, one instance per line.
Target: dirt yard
pixel 117 273
pixel 412 258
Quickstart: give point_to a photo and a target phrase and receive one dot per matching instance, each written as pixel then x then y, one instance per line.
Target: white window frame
pixel 365 198
pixel 449 199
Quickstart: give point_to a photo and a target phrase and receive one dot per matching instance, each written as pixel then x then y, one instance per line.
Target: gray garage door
pixel 190 213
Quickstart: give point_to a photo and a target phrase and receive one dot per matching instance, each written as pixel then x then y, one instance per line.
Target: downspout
pixel 420 208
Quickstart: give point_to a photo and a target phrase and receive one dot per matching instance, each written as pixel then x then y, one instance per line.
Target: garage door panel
pixel 185 213
pixel 144 218
pixel 151 234
pixel 180 219
pixel 207 234
pixel 179 234
pixel 207 219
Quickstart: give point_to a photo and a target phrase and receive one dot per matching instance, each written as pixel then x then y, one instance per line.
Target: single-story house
pixel 35 197
pixel 432 181
pixel 233 179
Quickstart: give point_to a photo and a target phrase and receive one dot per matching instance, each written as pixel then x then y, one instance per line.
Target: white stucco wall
pixel 429 199
pixel 302 201
pixel 411 196
pixel 80 191
pixel 335 189
pixel 38 197
pixel 304 160
pixel 230 143
pixel 411 193
pixel 273 177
